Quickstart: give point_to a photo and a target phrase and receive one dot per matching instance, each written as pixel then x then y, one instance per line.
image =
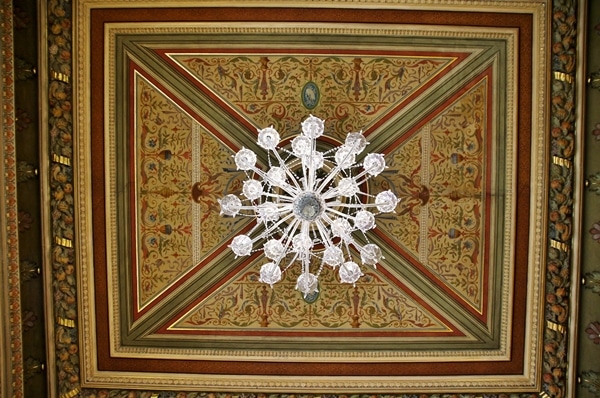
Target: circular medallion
pixel 310 95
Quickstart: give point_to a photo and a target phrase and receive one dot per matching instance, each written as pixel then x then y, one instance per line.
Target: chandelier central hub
pixel 308 206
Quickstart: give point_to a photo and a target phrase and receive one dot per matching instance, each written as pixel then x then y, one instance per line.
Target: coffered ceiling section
pixel 446 96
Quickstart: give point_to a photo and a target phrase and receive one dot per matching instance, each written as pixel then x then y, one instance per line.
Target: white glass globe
pixel 374 163
pixel 364 220
pixel 356 141
pixel 302 243
pixel 230 205
pixel 345 157
pixel 274 249
pixel 276 176
pixel 313 127
pixel 268 212
pixel 349 272
pixel 270 273
pixel 301 146
pixel 340 227
pixel 252 189
pixel 314 161
pixel 333 256
pixel 268 138
pixel 386 201
pixel 348 187
pixel 370 254
pixel 245 159
pixel 307 283
pixel 241 245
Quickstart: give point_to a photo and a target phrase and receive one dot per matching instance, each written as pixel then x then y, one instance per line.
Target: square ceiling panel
pixel 454 99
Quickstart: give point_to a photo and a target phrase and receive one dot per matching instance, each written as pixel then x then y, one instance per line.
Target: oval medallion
pixel 310 95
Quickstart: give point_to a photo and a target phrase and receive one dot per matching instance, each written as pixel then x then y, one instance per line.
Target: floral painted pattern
pixel 439 176
pixel 375 303
pixel 593 332
pixel 353 91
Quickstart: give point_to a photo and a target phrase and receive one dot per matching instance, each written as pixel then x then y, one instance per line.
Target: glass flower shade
pixel 310 205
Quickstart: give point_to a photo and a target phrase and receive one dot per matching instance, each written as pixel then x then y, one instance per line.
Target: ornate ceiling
pixel 456 99
pixel 175 94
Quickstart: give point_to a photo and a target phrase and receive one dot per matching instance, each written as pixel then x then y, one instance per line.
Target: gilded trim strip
pixel 559 245
pixel 61 159
pixel 54 75
pixel 69 323
pixel 63 242
pixel 562 161
pixel 71 393
pixel 564 77
pixel 556 327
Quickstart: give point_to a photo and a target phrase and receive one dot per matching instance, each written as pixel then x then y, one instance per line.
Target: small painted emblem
pixel 310 95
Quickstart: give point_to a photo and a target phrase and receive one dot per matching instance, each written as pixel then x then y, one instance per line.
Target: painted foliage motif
pixel 351 92
pixel 180 175
pixel 448 148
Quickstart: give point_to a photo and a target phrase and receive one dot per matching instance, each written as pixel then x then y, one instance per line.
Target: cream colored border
pixel 91 376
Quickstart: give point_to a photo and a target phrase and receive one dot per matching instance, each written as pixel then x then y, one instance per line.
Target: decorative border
pixel 87 302
pixel 560 228
pixel 13 374
pixel 61 257
pixel 560 201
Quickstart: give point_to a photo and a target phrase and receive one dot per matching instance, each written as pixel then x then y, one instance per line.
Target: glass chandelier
pixel 308 205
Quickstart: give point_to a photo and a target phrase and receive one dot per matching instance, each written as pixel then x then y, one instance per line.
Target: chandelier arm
pixel 347 245
pixel 335 171
pixel 291 231
pixel 354 206
pixel 287 171
pixel 311 169
pixel 304 179
pixel 331 193
pixel 306 265
pixel 363 180
pixel 278 196
pixel 272 227
pixel 328 179
pixel 362 173
pixel 323 233
pixel 339 213
pixel 266 177
pixel 288 265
